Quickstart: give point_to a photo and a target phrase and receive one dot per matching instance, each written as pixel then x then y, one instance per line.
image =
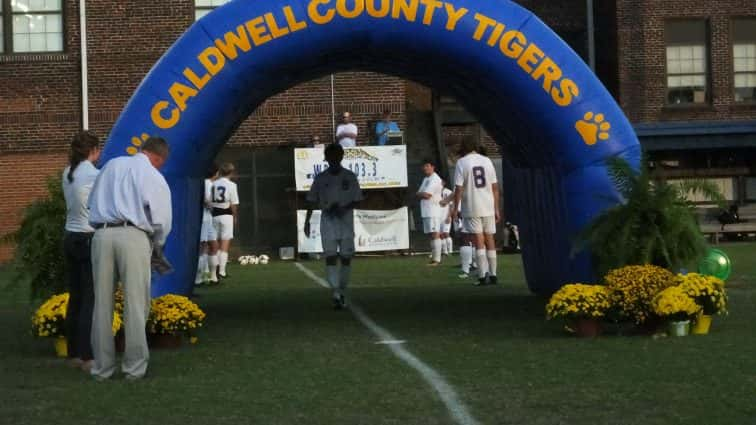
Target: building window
pixel 203 7
pixel 744 59
pixel 29 26
pixel 687 62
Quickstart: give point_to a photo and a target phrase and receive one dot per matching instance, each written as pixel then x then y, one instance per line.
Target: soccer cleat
pixel 223 275
pixel 483 281
pixel 464 275
pixel 492 280
pixel 337 303
pixel 342 301
pixel 434 264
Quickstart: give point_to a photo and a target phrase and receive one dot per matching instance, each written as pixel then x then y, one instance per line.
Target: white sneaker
pixel 464 275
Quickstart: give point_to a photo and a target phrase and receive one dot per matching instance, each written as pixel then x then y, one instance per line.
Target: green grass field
pixel 273 352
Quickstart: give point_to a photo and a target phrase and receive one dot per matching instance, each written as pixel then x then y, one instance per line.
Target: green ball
pixel 716 263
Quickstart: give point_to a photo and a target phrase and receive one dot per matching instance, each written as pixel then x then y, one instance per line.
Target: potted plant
pixel 677 308
pixel 654 224
pixel 709 293
pixel 171 317
pixel 581 306
pixel 632 290
pixel 49 321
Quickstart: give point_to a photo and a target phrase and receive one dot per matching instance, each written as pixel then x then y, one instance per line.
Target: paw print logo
pixel 592 128
pixel 136 143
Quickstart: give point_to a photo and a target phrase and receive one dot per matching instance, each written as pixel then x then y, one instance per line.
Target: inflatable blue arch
pixel 554 120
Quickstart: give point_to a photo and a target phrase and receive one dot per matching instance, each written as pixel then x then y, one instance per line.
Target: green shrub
pixel 656 224
pixel 39 259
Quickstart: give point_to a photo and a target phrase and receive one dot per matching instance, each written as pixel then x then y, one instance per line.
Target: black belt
pixel 115 224
pixel 221 211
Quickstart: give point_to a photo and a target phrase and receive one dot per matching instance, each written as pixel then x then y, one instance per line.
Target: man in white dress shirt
pixel 130 210
pixel 346 132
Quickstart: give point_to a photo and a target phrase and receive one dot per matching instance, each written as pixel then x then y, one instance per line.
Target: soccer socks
pixel 344 274
pixel 443 247
pixel 222 261
pixel 465 256
pixel 212 260
pixel 482 263
pixel 205 263
pixel 491 257
pixel 200 267
pixel 332 274
pixel 449 245
pixel 436 250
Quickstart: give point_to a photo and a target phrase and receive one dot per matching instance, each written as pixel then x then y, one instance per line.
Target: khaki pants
pixel 121 254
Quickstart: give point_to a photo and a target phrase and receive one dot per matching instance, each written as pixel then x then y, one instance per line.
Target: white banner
pixel 376 167
pixel 373 231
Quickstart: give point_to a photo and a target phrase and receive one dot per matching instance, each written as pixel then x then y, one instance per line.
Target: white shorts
pixel 445 227
pixel 431 225
pixel 224 227
pixel 208 232
pixel 478 225
pixel 340 247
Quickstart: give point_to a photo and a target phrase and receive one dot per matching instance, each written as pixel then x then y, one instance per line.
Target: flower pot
pixel 61 346
pixel 587 328
pixel 169 341
pixel 679 328
pixel 702 325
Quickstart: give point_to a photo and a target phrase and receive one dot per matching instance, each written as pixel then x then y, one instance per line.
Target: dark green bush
pixel 39 259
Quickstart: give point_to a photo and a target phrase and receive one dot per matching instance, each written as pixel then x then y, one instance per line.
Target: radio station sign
pixel 376 167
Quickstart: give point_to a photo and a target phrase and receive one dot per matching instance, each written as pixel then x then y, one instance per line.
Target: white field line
pixel 448 396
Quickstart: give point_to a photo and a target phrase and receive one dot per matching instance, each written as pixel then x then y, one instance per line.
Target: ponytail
pixel 81 146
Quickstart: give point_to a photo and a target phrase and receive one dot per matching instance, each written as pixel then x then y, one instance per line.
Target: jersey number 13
pixel 219 194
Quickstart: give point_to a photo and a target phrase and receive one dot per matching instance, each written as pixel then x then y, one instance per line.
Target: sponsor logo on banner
pixel 373 231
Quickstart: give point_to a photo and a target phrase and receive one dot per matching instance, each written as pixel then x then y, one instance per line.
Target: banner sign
pixel 373 231
pixel 376 167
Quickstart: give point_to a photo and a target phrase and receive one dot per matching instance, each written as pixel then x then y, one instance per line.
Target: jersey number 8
pixel 479 177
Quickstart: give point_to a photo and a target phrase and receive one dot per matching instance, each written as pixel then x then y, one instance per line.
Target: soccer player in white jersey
pixel 430 209
pixel 208 258
pixel 477 191
pixel 447 198
pixel 335 192
pixel 224 201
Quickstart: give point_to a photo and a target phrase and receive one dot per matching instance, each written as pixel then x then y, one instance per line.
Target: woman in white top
pixel 78 179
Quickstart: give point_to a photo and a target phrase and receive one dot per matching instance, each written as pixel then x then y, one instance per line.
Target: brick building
pixel 684 72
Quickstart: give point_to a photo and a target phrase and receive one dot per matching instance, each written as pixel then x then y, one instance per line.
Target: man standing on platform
pixel 346 132
pixel 130 209
pixel 383 128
